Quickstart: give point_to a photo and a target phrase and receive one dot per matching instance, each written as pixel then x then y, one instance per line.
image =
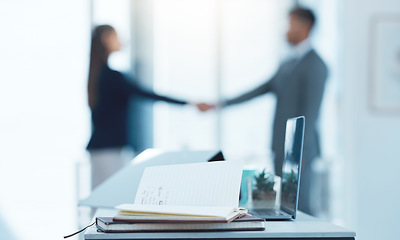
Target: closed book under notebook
pixel 245 223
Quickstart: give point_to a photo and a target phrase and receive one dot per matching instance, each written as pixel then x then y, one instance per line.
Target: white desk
pixel 304 227
pixel 121 188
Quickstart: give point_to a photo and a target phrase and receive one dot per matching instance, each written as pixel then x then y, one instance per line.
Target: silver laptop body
pixel 290 181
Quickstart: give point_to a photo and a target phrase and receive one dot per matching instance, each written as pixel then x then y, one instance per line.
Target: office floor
pixel 5 231
pixel 38 199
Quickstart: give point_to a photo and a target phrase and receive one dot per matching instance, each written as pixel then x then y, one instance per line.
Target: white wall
pixel 370 139
pixel 44 118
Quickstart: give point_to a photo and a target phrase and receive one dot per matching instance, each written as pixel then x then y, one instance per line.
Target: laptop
pixel 290 181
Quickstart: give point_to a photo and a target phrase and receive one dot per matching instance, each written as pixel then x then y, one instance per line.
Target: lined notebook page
pixel 194 184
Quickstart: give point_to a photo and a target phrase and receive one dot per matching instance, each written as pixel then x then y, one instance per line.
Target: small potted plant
pixel 263 193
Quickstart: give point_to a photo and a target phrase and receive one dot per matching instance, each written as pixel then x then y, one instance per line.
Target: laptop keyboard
pixel 267 212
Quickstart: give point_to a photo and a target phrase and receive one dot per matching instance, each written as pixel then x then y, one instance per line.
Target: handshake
pixel 204 107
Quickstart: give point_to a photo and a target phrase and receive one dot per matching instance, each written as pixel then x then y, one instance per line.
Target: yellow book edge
pixel 188 211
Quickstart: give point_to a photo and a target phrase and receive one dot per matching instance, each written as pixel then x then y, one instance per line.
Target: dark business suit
pixel 298 85
pixel 110 122
pixel 110 116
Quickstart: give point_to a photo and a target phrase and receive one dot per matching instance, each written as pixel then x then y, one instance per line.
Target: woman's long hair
pixel 98 58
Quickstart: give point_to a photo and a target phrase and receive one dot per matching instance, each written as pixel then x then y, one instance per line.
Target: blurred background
pixel 201 50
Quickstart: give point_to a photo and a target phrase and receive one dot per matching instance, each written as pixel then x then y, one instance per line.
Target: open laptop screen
pixel 292 164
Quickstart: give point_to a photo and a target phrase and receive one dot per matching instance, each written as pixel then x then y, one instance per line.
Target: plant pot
pixel 263 199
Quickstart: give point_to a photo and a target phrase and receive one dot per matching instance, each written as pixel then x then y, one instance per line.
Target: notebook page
pixel 194 184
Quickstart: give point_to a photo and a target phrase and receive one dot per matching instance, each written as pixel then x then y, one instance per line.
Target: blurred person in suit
pixel 298 85
pixel 108 97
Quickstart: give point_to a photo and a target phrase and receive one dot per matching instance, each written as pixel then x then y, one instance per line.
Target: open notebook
pixel 187 192
pixel 184 197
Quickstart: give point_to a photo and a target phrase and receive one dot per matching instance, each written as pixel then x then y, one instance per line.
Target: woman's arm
pixel 129 88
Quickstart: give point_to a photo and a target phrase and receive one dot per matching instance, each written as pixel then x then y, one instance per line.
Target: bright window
pixel 209 50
